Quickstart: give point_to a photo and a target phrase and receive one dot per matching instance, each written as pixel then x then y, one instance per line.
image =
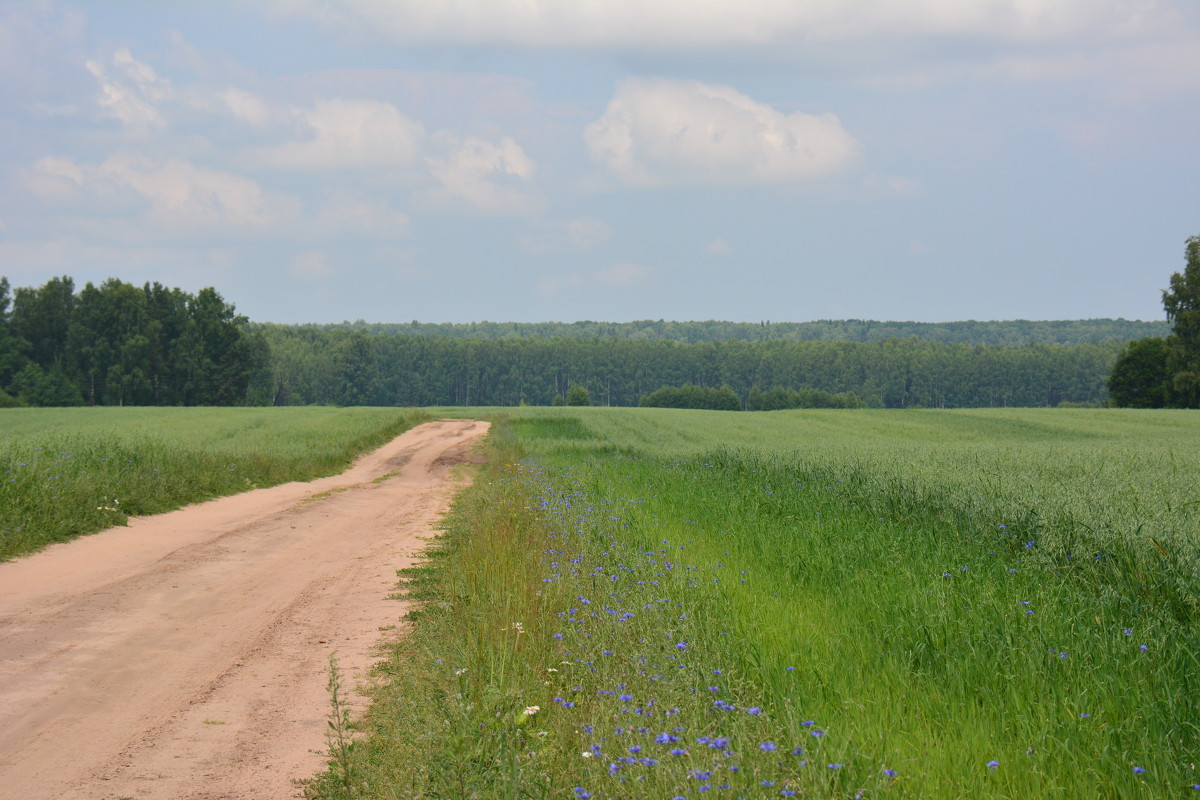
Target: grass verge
pixel 69 472
pixel 604 622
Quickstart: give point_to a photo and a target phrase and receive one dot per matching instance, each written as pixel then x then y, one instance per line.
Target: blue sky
pixel 526 160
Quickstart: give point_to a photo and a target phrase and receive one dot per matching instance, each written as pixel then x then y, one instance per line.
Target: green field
pixel 652 603
pixel 997 603
pixel 68 472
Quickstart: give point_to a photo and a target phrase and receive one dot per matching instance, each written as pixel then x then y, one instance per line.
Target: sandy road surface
pixel 185 655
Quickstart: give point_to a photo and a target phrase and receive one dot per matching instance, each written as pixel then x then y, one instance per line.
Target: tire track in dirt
pixel 184 657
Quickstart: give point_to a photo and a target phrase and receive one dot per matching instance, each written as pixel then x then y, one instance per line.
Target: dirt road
pixel 185 656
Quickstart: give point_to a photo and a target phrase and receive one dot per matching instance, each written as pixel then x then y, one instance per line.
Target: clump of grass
pixel 339 736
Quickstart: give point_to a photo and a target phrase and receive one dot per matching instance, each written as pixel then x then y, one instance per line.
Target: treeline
pixel 120 344
pixel 1009 332
pixel 311 365
pixel 726 399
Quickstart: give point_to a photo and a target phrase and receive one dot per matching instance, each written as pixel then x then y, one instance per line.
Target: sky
pixel 534 160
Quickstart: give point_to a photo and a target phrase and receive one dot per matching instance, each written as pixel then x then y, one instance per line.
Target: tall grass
pixel 838 604
pixel 67 472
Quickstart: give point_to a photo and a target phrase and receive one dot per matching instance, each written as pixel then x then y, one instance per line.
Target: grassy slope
pixel 67 472
pixel 868 574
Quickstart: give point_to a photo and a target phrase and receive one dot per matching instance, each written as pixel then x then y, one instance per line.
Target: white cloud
pixel 486 177
pixel 1129 70
pixel 893 185
pixel 55 179
pixel 182 193
pixel 718 247
pixel 176 193
pixel 245 106
pixel 351 212
pixel 659 24
pixel 687 132
pixel 622 274
pixel 310 266
pixel 586 233
pixel 56 167
pixel 348 134
pixel 133 97
pixel 33 261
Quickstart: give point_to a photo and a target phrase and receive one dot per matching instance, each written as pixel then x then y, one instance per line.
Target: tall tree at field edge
pixel 1182 303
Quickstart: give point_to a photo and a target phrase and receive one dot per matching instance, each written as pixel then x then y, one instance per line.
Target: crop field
pixel 645 603
pixel 67 472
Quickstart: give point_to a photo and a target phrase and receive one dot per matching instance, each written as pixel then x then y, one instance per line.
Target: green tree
pixel 41 318
pixel 35 387
pixel 212 355
pixel 1182 304
pixel 10 355
pixel 578 396
pixel 691 396
pixel 1139 378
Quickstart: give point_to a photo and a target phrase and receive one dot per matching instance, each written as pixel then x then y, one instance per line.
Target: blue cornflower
pixel 1128 631
pixel 581 793
pixel 681 646
pixel 891 773
pixel 1143 648
pixel 834 766
pixel 993 764
pixel 754 711
pixel 1138 770
pixel 767 746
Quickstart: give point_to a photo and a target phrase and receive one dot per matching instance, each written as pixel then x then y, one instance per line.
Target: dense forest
pixel 120 344
pixel 1012 332
pixel 355 368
